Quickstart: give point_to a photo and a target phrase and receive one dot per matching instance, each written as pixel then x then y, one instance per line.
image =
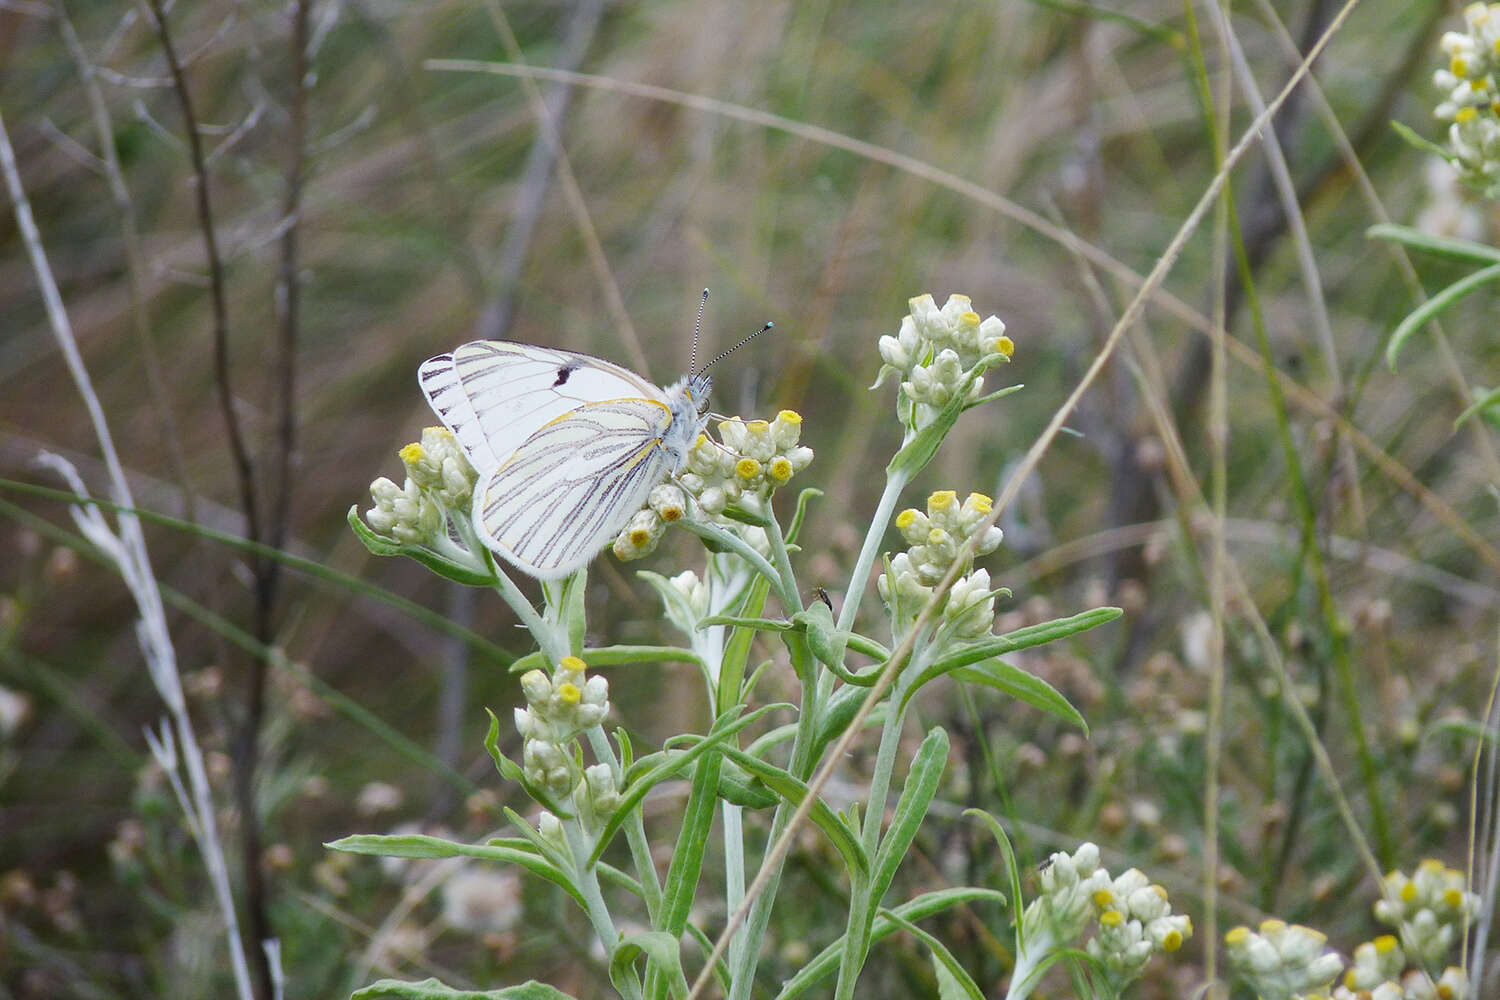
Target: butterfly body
pixel 567 446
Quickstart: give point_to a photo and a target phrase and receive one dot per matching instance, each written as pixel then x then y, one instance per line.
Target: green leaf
pixel 759 624
pixel 441 565
pixel 724 727
pixel 921 785
pixel 793 790
pixel 1022 686
pixel 1441 246
pixel 997 394
pixel 953 982
pixel 432 989
pixel 511 771
pixel 828 643
pixel 1466 728
pixel 826 961
pixel 692 841
pixel 729 687
pixel 1022 638
pixel 1421 142
pixel 741 789
pixel 1435 307
pixel 917 452
pixel 1012 867
pixel 746 516
pixel 838 714
pixel 800 516
pixel 1483 401
pixel 416 845
pixel 661 951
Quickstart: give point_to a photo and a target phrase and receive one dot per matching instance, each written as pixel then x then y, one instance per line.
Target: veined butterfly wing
pixel 567 446
pixel 570 487
pixel 493 394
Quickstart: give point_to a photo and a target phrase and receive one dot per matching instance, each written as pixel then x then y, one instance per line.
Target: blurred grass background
pixel 415 179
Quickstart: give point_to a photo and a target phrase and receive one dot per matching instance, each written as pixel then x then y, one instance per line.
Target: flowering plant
pixel 939 616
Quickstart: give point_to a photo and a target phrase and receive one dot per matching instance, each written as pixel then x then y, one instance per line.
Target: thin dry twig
pixel 126 547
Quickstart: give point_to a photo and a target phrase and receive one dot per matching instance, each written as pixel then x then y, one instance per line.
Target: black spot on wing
pixel 564 373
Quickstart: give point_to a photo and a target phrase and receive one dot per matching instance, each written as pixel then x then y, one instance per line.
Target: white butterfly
pixel 567 446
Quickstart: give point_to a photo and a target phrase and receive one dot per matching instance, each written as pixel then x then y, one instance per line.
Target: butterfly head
pixel 698 388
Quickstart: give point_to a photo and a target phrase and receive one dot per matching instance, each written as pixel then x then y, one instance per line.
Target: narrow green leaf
pixel 953 982
pixel 661 951
pixel 741 789
pixel 1022 686
pixel 828 643
pixel 990 397
pixel 1484 401
pixel 721 969
pixel 441 565
pixel 724 727
pixel 1022 638
pixel 1434 307
pixel 837 715
pixel 1441 246
pixel 921 785
pixel 415 845
pixel 917 452
pixel 432 989
pixel 800 515
pixel 692 842
pixel 1420 142
pixel 826 961
pixel 759 624
pixel 728 688
pixel 511 771
pixel 1012 867
pixel 790 788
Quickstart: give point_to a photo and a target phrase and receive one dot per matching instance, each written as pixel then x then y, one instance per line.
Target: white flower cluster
pixel 1452 985
pixel 693 607
pixel 936 538
pixel 1429 910
pixel 403 514
pixel 557 709
pixel 596 796
pixel 439 483
pixel 440 468
pixel 934 351
pixel 1135 922
pixel 751 460
pixel 1470 101
pixel 1376 963
pixel 1282 961
pixel 1134 918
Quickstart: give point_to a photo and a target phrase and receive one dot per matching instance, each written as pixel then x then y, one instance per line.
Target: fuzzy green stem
pixel 742 973
pixel 861 904
pixel 587 881
pixel 553 643
pixel 859 580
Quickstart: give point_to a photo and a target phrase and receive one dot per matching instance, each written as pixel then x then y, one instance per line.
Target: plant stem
pixel 861 906
pixel 859 580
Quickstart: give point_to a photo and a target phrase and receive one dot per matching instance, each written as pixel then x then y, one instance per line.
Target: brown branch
pixel 239 453
pixel 258 927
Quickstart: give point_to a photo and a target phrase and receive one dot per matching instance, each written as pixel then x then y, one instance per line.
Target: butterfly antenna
pixel 769 325
pixel 697 332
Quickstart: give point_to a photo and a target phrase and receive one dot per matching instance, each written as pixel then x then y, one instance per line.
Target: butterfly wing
pixel 493 395
pixel 571 486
